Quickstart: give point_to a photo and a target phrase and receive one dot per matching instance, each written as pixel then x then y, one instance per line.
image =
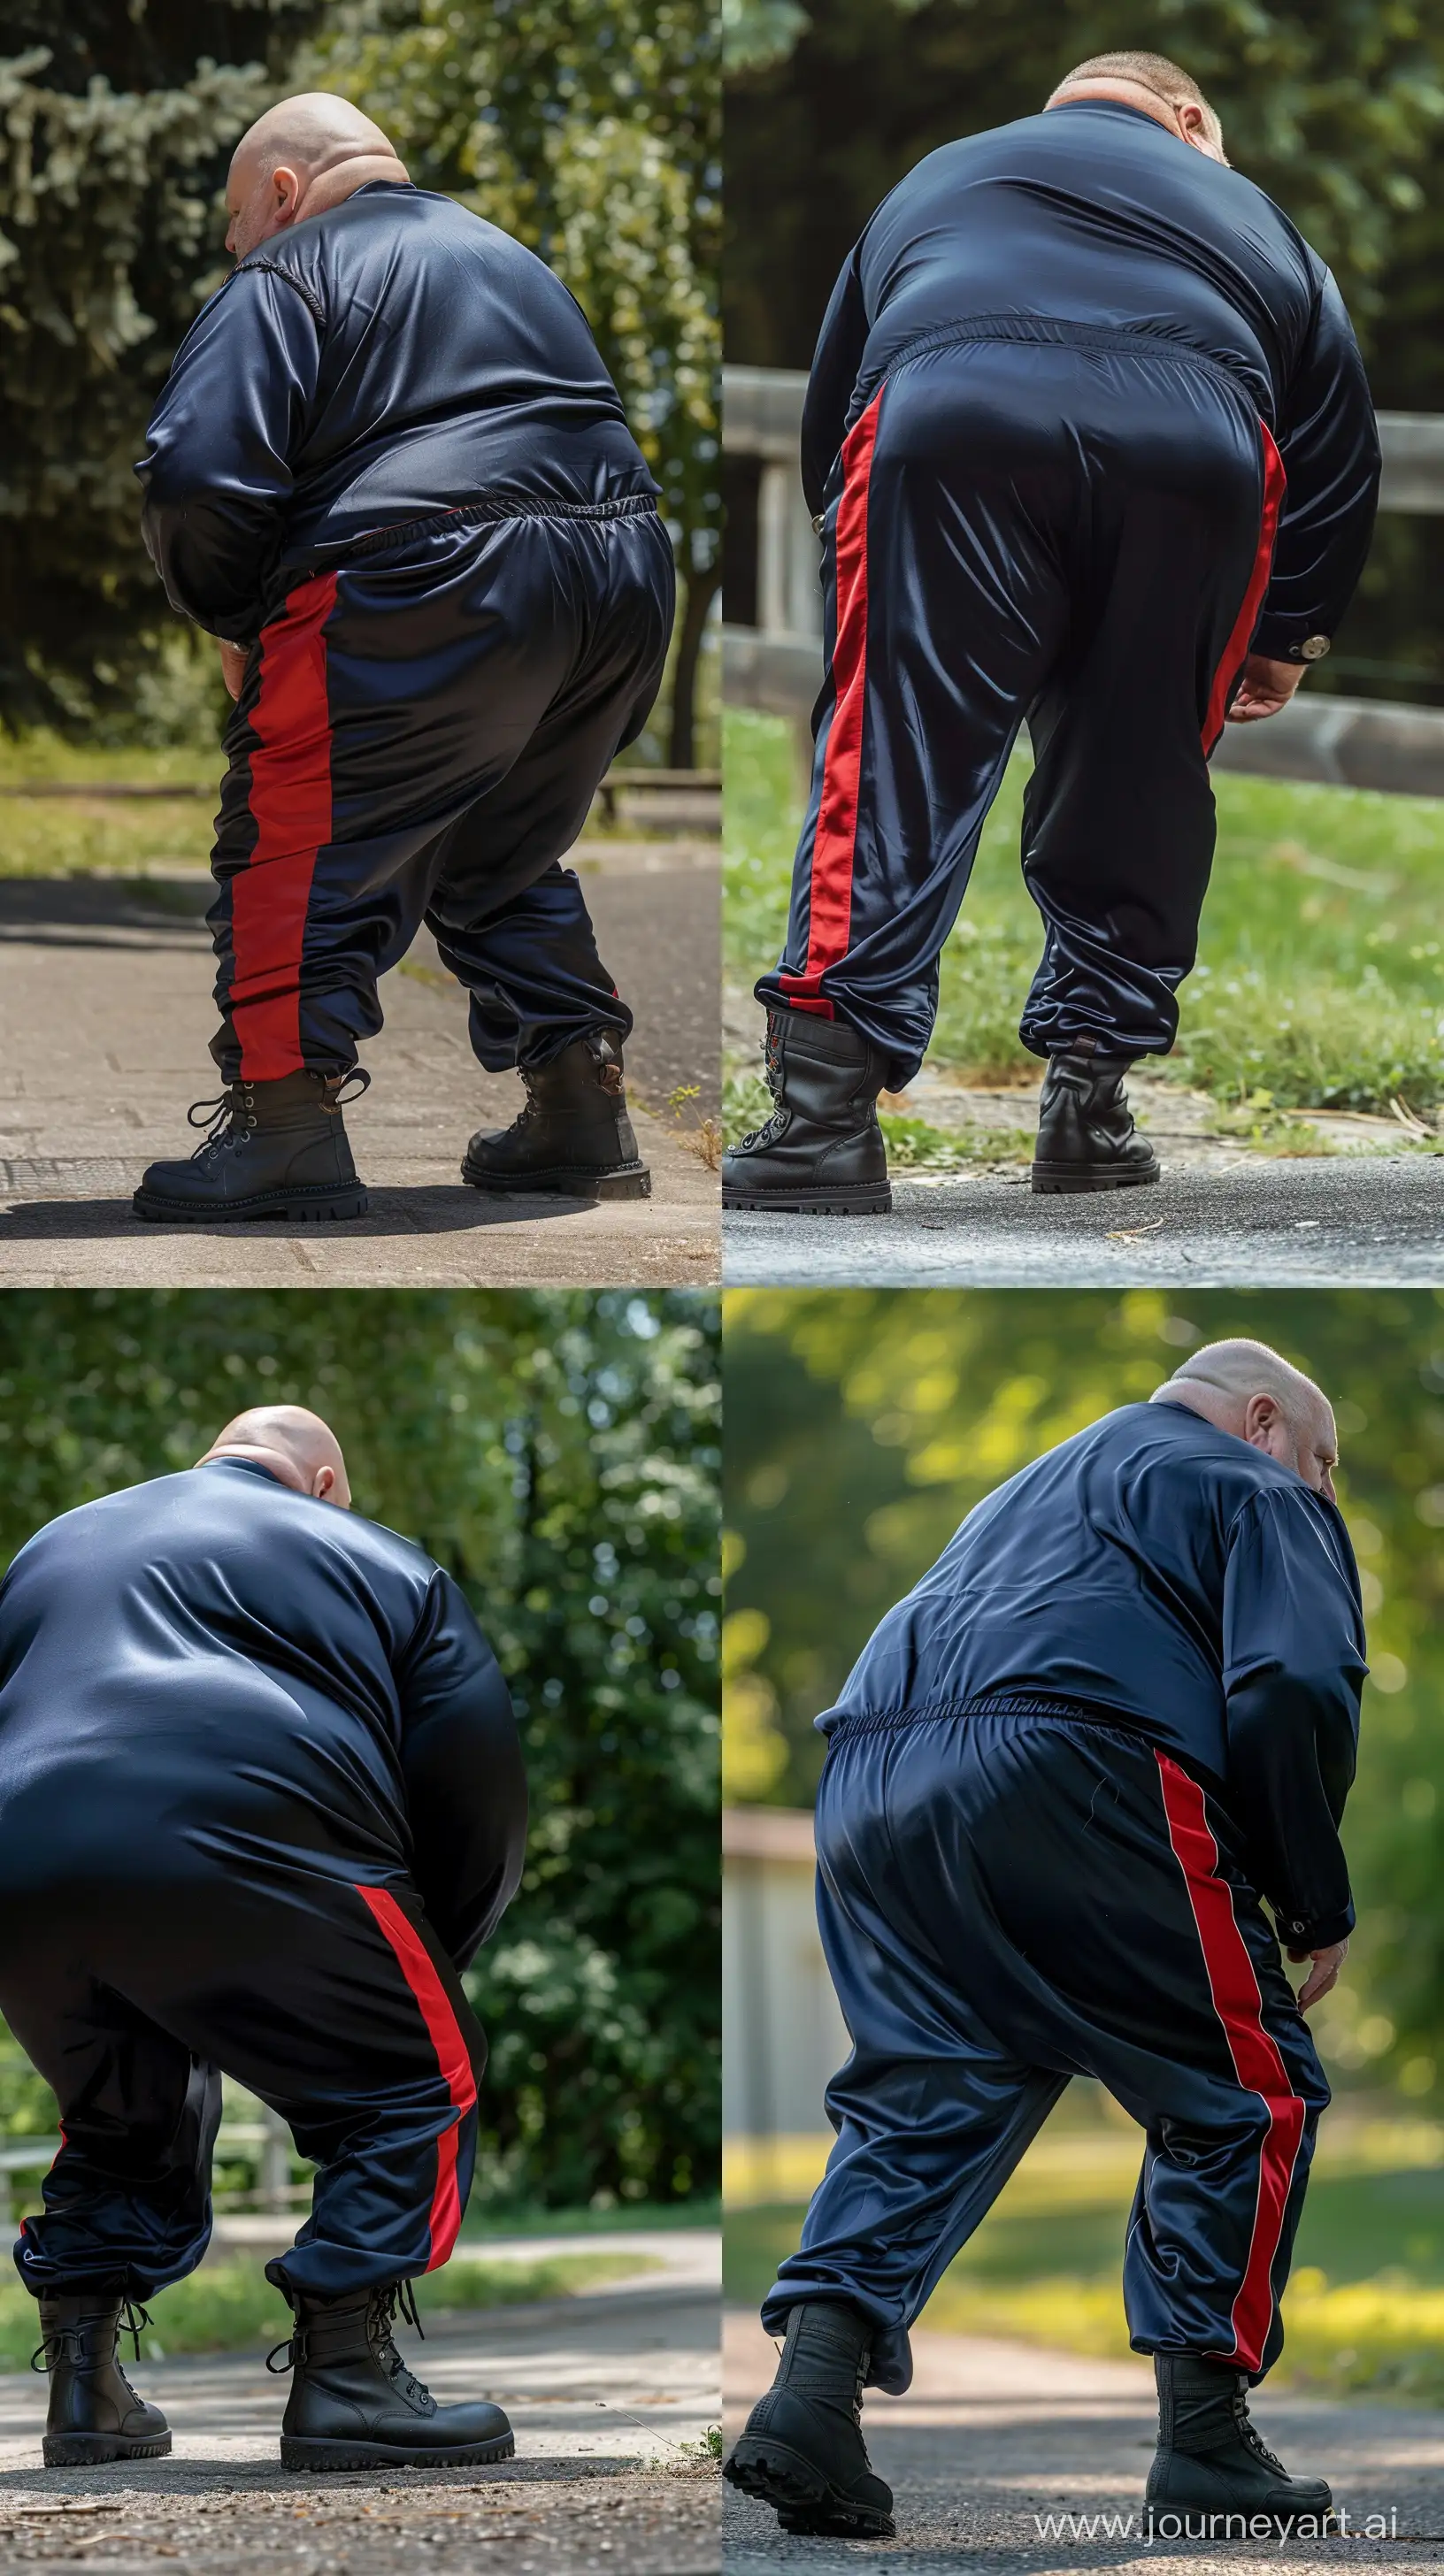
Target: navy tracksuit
pixel 261 1798
pixel 1088 424
pixel 389 458
pixel 1120 1710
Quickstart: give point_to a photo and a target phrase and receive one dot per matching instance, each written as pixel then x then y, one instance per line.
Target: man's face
pixel 1310 1446
pixel 259 202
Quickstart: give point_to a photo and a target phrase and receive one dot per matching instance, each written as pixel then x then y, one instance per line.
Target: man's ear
pixel 322 1483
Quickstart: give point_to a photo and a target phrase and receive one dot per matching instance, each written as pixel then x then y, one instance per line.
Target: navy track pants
pixel 1008 1900
pixel 419 736
pixel 1077 531
pixel 330 2000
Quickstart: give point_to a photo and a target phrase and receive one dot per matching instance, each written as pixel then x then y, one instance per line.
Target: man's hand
pixel 234 658
pixel 1265 687
pixel 1323 1976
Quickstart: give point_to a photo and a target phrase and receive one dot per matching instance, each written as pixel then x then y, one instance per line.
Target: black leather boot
pixel 1210 2459
pixel 355 2405
pixel 821 1152
pixel 1086 1136
pixel 94 2413
pixel 274 1149
pixel 803 2451
pixel 573 1137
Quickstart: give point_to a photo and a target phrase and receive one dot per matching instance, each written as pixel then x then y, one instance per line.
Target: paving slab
pixel 610 2395
pixel 105 1018
pixel 994 2440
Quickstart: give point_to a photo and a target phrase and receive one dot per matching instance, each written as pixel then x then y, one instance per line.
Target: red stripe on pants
pixel 290 797
pixel 419 1970
pixel 1256 2059
pixel 1235 652
pixel 829 911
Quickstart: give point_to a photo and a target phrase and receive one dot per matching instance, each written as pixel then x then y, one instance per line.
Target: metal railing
pixel 776 663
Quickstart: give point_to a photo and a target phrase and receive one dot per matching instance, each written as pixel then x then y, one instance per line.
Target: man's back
pixel 394 357
pixel 1142 1567
pixel 209 1655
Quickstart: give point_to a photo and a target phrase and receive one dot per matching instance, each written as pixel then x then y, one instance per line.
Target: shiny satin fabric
pixel 1094 214
pixel 394 356
pixel 419 736
pixel 1047 524
pixel 1167 1575
pixel 241 1734
pixel 1010 1901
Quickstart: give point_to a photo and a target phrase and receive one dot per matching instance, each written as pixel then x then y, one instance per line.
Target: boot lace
pixel 230 1121
pixel 382 2307
pixel 67 2344
pixel 774 1126
pixel 1250 2435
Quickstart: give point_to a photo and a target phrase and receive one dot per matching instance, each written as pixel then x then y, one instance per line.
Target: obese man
pixel 261 1800
pixel 1117 1718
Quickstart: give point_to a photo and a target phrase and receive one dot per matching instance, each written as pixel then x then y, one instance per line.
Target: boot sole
pixel 632 1181
pixel 800 2495
pixel 871 1198
pixel 327 1207
pixel 1071 1179
pixel 91 2450
pixel 298 2451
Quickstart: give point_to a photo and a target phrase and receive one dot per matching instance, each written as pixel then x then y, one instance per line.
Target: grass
pixel 1321 975
pixel 231 2307
pixel 1363 2314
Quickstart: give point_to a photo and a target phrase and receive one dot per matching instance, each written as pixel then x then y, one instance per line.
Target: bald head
pixel 1153 84
pixel 1249 1390
pixel 302 157
pixel 296 1445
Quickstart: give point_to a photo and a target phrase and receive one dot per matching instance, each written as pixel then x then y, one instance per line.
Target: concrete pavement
pixel 993 2435
pixel 606 2392
pixel 105 1017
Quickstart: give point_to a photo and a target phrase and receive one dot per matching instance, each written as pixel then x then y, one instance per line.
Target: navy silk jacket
pixel 1095 214
pixel 392 359
pixel 211 1671
pixel 1159 1571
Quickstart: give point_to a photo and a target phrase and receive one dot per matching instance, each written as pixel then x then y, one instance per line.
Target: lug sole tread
pixel 333 1207
pixel 803 2499
pixel 1072 1180
pixel 300 2451
pixel 93 2450
pixel 629 1181
pixel 876 1200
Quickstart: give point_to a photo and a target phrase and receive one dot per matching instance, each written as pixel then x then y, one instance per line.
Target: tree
pixel 117 119
pixel 558 1453
pixel 862 1428
pixel 590 129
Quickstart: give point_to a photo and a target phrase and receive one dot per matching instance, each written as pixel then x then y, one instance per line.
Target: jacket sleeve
pixel 461 1761
pixel 1293 1673
pixel 836 365
pixel 216 472
pixel 1329 443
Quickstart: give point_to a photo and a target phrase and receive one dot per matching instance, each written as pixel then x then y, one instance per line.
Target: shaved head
pixel 296 1445
pixel 1253 1392
pixel 1149 81
pixel 305 155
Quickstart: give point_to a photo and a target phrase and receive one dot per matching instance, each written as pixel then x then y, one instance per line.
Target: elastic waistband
pixel 1051 330
pixel 490 512
pixel 1024 1705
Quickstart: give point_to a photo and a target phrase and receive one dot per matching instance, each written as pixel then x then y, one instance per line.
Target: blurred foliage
pixel 861 1428
pixel 117 120
pixel 591 129
pixel 558 1453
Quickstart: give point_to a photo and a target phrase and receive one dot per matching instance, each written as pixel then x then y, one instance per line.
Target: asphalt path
pixel 610 2395
pixel 992 2438
pixel 1354 1219
pixel 105 1019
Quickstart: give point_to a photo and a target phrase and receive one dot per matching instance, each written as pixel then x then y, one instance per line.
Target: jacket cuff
pixel 1283 638
pixel 1320 1934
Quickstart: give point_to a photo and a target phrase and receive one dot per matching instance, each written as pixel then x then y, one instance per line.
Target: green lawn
pixel 1321 973
pixel 231 2307
pixel 1364 2312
